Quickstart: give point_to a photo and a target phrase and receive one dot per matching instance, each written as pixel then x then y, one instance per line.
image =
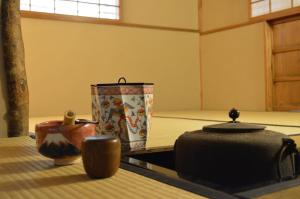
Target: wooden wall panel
pixel 287 64
pixel 287 96
pixel 287 34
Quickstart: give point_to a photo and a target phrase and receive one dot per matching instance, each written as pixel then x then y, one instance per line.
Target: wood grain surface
pixel 101 156
pixel 286 65
pixel 14 66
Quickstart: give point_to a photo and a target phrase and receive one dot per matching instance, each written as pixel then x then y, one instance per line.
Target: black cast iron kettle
pixel 236 154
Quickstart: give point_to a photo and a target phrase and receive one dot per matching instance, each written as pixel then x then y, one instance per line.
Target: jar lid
pixel 100 138
pixel 233 126
pixel 122 82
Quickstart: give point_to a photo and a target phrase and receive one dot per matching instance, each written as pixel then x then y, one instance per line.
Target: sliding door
pixel 286 65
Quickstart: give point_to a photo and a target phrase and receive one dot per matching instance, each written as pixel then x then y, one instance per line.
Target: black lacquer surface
pixel 158 164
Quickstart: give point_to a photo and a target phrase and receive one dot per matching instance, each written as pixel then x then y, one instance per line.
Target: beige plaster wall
pixel 222 13
pixel 64 58
pixel 233 69
pixel 170 13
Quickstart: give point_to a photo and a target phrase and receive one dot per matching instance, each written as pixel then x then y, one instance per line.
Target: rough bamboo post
pixel 14 66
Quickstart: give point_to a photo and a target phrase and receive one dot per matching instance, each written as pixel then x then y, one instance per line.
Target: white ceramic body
pixel 124 111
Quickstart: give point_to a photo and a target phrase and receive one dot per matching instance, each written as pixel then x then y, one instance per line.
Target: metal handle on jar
pixel 120 79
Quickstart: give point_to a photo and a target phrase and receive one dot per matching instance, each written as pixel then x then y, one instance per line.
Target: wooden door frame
pixel 269 58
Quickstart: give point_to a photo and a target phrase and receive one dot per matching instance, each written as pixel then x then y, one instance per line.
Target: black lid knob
pixel 234 114
pixel 233 126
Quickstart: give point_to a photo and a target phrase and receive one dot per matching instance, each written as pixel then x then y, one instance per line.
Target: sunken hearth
pixel 159 164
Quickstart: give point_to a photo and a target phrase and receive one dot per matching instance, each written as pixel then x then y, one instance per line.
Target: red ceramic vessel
pixel 62 142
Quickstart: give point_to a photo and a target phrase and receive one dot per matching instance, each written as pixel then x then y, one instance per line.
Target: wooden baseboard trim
pixel 228 27
pixel 287 79
pixel 286 49
pixel 69 18
pixel 280 17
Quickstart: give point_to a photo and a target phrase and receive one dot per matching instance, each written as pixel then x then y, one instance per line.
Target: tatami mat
pixel 24 173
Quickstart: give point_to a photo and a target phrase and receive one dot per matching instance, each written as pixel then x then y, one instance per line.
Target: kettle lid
pixel 233 126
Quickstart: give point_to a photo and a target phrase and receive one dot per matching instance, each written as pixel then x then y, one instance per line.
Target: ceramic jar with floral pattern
pixel 123 110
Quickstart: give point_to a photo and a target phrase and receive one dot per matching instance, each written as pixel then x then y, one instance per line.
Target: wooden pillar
pixel 14 66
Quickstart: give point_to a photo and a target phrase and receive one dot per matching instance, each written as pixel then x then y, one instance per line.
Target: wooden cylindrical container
pixel 101 155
